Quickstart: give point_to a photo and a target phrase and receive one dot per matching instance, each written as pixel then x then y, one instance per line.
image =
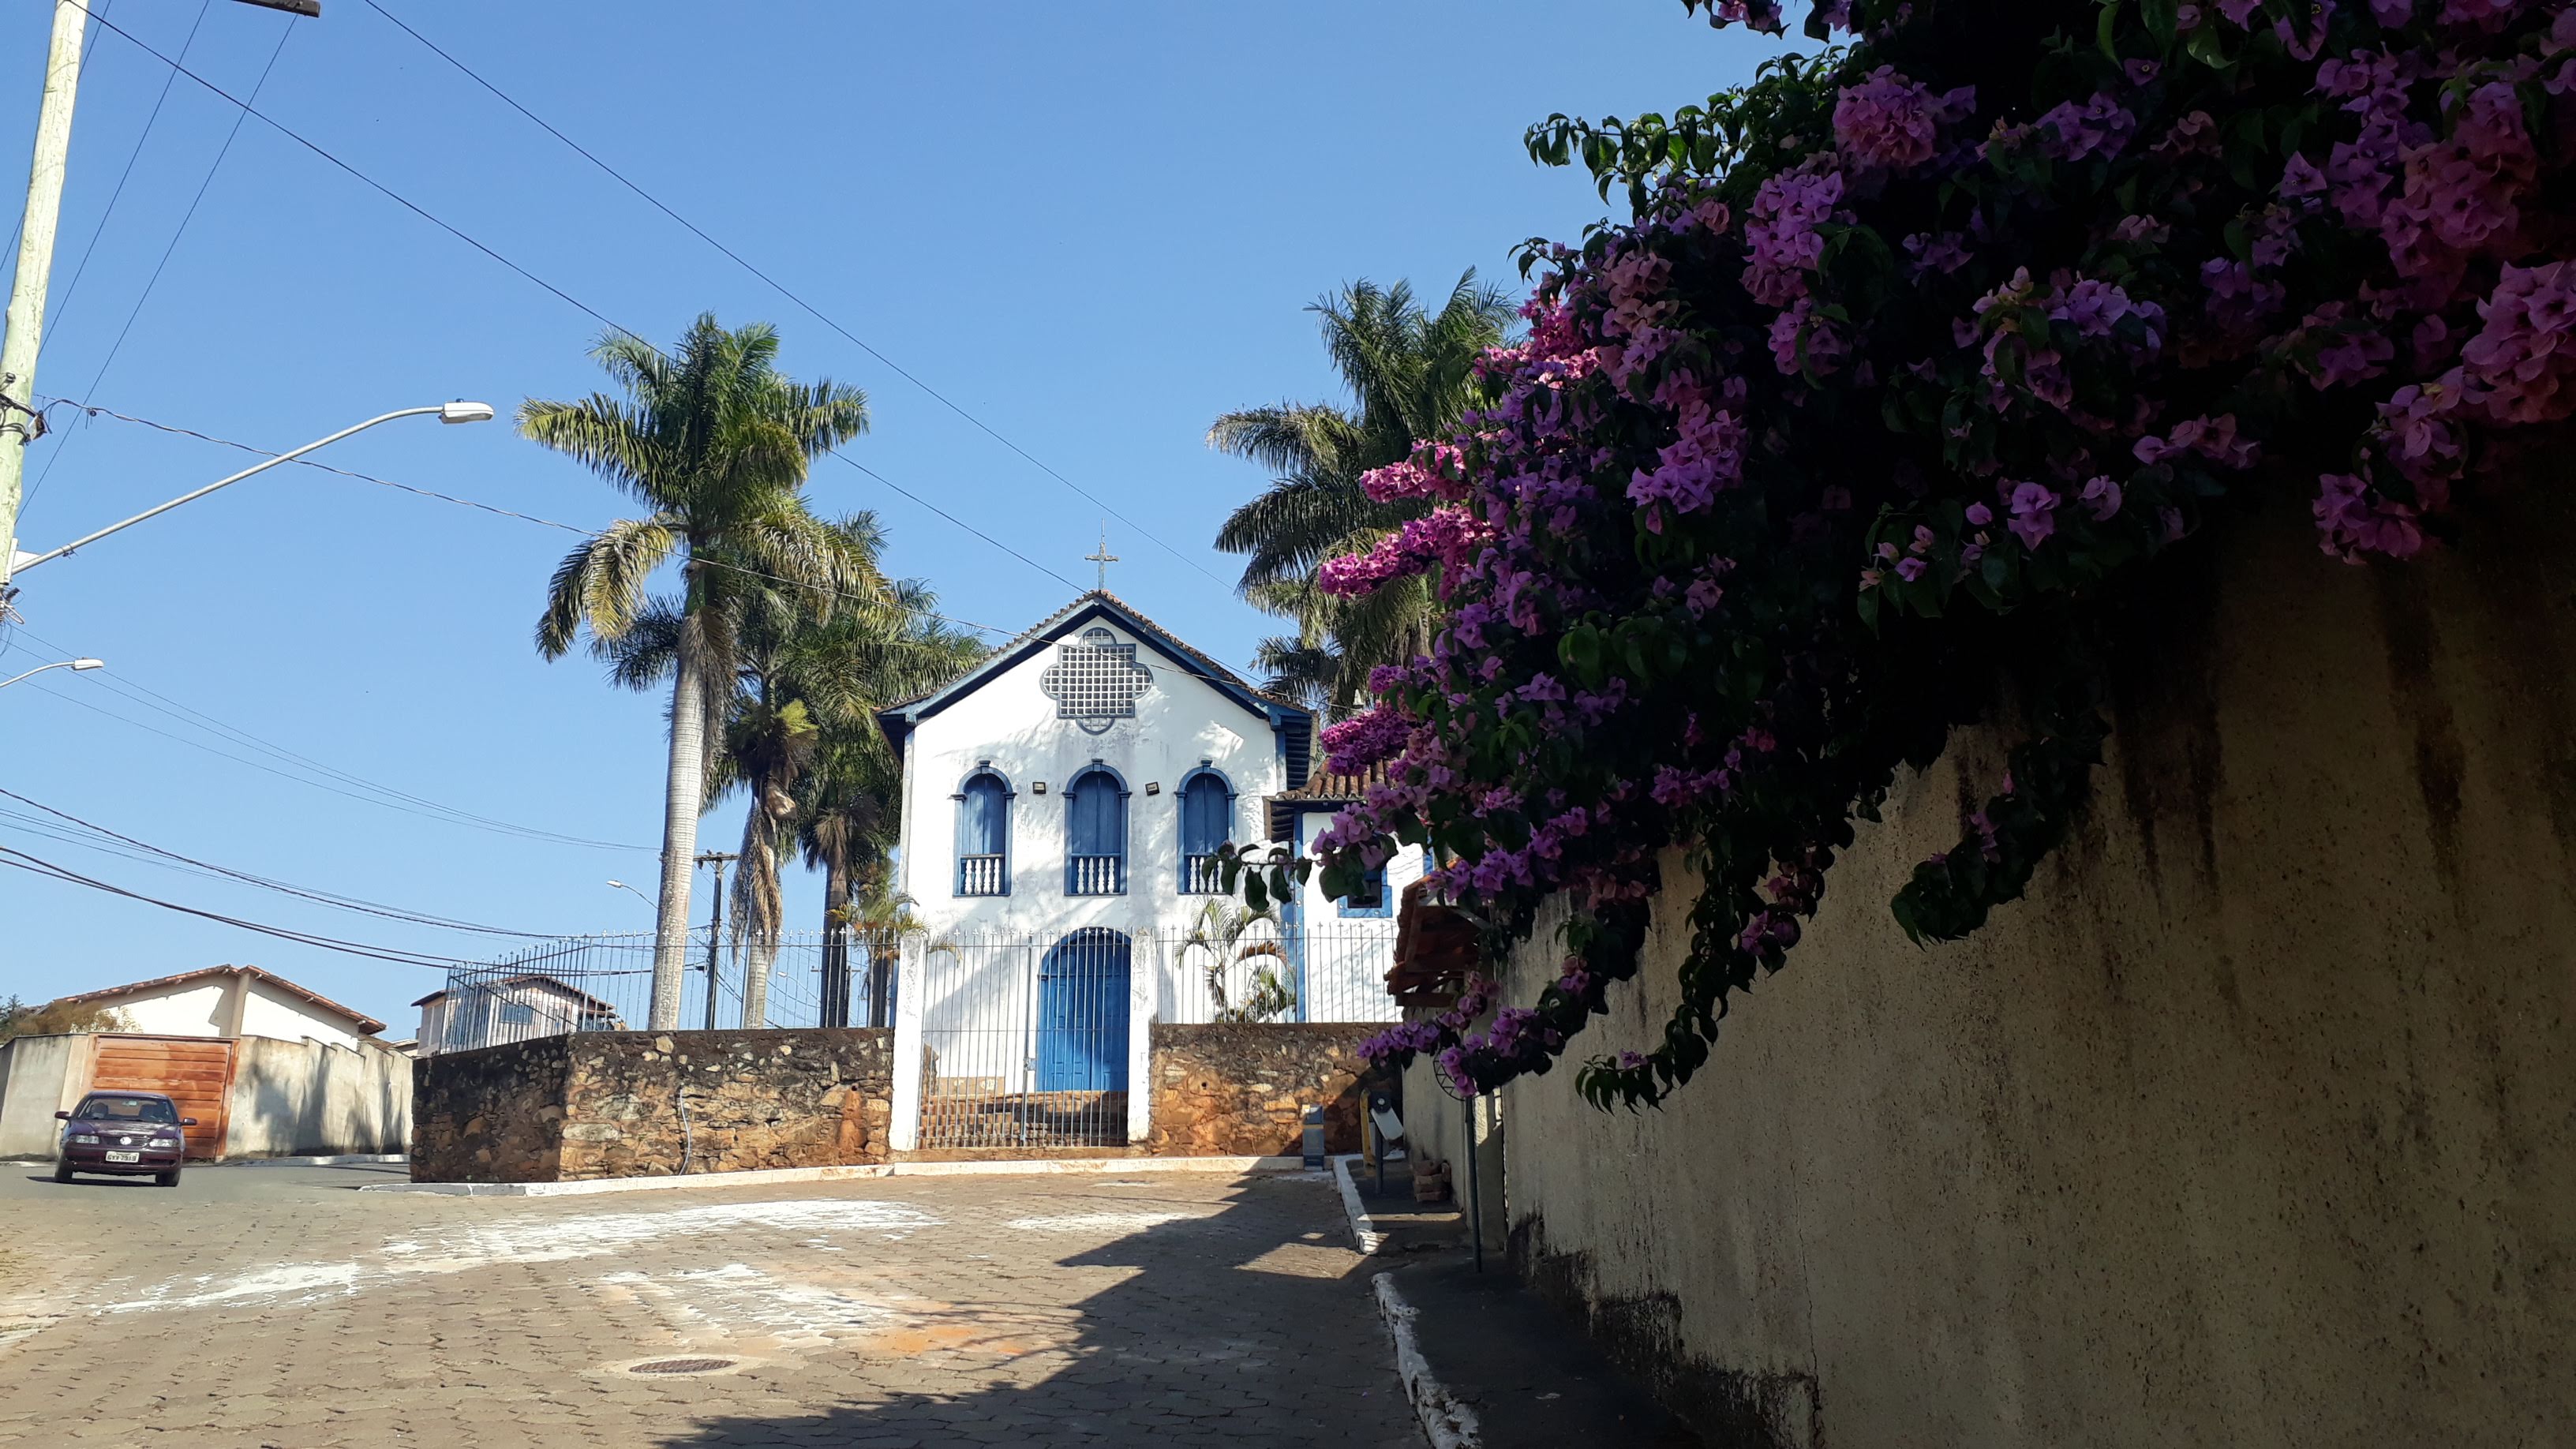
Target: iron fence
pixel 1216 971
pixel 605 983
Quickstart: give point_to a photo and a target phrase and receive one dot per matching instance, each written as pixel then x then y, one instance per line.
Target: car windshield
pixel 127 1109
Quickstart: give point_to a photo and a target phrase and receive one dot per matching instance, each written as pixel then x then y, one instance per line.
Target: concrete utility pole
pixel 35 267
pixel 715 926
pixel 26 323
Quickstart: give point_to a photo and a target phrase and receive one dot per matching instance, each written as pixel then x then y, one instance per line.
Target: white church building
pixel 1063 804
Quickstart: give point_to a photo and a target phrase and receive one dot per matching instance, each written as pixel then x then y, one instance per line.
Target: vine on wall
pixel 1907 352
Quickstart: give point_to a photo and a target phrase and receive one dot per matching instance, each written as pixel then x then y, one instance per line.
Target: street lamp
pixel 632 891
pixel 451 412
pixel 81 665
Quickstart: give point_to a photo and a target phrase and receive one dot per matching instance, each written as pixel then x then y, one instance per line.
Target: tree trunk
pixel 883 958
pixel 836 943
pixel 761 953
pixel 681 797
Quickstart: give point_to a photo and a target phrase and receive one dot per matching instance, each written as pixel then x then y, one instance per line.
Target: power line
pixel 171 248
pixel 576 303
pixel 37 866
pixel 376 793
pixel 329 898
pixel 95 410
pixel 108 213
pixel 456 818
pixel 783 290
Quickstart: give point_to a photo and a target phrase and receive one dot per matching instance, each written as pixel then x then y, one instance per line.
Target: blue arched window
pixel 1095 846
pixel 1207 822
pixel 984 835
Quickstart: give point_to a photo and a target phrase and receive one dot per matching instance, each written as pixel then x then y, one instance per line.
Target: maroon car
pixel 129 1134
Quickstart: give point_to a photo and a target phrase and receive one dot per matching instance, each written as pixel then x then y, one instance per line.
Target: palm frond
pixel 600 584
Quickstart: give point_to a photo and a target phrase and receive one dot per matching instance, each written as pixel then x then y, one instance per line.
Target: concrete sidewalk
pixel 1529 1374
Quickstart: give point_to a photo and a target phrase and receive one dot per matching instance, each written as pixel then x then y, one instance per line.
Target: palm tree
pixel 716 443
pixel 1411 373
pixel 797 733
pixel 851 810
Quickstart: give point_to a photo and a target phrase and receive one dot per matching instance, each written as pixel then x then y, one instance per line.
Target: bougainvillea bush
pixel 1910 355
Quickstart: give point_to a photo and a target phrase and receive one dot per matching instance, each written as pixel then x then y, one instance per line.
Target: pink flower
pixel 1890 123
pixel 1781 231
pixel 1364 739
pixel 1822 339
pixel 2524 356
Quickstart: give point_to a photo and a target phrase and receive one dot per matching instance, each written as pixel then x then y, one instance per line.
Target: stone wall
pixel 645 1104
pixel 1237 1089
pixel 495 1114
pixel 2248 1126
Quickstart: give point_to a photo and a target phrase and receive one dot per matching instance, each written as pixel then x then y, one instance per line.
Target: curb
pixel 1447 1423
pixel 1364 1230
pixel 763 1177
pixel 350 1159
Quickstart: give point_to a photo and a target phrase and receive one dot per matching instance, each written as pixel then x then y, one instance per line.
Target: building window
pixel 1371 898
pixel 1095 813
pixel 518 1013
pixel 984 836
pixel 1094 681
pixel 1207 822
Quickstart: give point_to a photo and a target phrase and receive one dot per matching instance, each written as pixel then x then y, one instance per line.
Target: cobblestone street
pixel 274 1306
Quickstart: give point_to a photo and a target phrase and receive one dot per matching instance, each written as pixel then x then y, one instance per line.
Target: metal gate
pixel 1024 1043
pixel 194 1072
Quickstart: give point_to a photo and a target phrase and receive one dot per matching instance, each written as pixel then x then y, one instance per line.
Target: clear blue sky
pixel 1094 227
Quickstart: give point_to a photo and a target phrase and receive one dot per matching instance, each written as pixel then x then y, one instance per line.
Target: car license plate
pixel 125 1157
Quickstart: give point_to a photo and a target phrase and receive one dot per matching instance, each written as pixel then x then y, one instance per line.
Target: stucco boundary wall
pixel 1241 1088
pixel 33 1073
pixel 288 1098
pixel 312 1098
pixel 2251 1125
pixel 625 1104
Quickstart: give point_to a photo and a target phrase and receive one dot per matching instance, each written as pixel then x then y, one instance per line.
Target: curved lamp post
pixel 83 665
pixel 454 412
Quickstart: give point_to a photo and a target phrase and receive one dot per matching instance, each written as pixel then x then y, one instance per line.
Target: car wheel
pixel 62 1171
pixel 167 1179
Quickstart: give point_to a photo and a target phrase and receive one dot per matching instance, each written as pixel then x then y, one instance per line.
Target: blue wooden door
pixel 1082 1014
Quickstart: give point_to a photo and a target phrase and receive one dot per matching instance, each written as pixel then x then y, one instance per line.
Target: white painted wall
pixel 1010 721
pixel 550 1009
pixel 193 1008
pixel 270 1012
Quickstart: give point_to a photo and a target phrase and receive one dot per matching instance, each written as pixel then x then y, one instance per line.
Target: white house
pixel 512 1008
pixel 1063 804
pixel 230 1001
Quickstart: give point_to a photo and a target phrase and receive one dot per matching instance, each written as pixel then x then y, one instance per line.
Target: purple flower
pixel 2034 510
pixel 2102 496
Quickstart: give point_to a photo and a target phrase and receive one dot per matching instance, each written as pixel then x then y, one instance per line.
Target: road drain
pixel 681 1366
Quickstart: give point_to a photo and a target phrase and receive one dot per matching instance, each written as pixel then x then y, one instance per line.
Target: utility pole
pixel 26 318
pixel 35 267
pixel 715 926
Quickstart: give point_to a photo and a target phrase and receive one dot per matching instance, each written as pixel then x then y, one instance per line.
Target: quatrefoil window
pixel 1095 682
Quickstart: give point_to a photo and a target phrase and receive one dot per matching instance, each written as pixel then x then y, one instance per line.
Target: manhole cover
pixel 681 1366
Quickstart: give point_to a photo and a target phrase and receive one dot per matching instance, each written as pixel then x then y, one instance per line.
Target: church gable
pixel 1101 660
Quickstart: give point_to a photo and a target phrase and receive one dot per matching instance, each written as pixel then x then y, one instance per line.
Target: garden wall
pixel 610 1104
pixel 1238 1089
pixel 2249 1126
pixel 314 1098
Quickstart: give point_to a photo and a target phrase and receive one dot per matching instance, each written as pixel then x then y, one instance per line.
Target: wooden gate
pixel 194 1071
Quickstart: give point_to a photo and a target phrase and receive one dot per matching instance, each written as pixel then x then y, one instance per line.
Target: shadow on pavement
pixel 1246 1329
